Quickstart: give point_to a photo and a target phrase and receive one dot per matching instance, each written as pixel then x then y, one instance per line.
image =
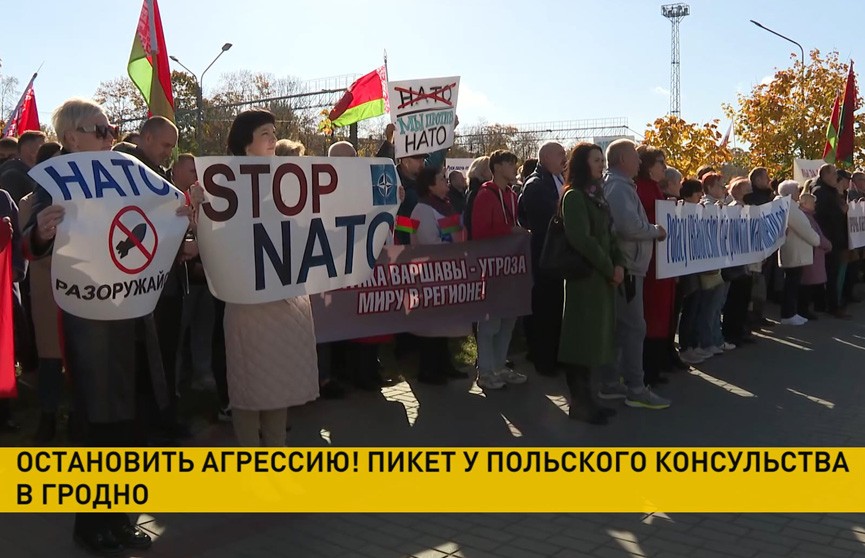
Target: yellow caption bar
pixel 433 480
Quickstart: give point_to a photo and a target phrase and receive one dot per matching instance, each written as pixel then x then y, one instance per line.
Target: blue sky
pixel 520 62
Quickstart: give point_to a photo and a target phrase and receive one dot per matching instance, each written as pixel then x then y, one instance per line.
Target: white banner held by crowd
pixel 119 236
pixel 805 169
pixel 272 228
pixel 461 165
pixel 424 113
pixel 856 224
pixel 706 238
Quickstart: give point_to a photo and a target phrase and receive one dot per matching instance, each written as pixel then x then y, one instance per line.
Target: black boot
pixel 583 407
pixel 47 429
pixel 653 355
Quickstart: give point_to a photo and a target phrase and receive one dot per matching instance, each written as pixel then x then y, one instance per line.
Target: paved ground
pixel 797 387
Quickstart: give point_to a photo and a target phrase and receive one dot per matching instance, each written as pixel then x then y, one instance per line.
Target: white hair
pixel 673 175
pixel 788 188
pixel 616 149
pixel 342 149
pixel 71 114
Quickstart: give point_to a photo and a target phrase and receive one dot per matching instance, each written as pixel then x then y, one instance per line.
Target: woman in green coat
pixel 588 322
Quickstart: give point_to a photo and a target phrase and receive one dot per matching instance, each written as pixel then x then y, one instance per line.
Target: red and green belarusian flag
pixel 450 225
pixel 406 224
pixel 148 62
pixel 365 98
pixel 844 148
pixel 840 133
pixel 832 132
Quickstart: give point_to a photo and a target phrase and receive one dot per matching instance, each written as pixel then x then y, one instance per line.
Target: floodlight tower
pixel 675 13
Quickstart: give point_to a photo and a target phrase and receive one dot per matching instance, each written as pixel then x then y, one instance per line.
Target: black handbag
pixel 558 257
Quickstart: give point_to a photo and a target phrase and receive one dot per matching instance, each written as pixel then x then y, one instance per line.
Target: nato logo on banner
pixel 384 184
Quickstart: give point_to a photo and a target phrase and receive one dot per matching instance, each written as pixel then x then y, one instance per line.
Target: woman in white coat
pixel 271 362
pixel 796 253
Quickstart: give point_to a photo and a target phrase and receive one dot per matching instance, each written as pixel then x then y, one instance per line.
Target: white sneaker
pixel 705 354
pixel 796 320
pixel 728 346
pixel 690 357
pixel 511 376
pixel 490 381
pixel 715 350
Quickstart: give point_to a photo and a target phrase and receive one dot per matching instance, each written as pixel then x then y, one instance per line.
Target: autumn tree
pixel 781 121
pixel 688 145
pixel 122 102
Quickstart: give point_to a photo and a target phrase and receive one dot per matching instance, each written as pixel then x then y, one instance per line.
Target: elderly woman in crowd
pixel 671 184
pixel 796 253
pixel 479 172
pixel 658 294
pixel 588 323
pixel 103 357
pixel 438 223
pixel 813 286
pixel 270 355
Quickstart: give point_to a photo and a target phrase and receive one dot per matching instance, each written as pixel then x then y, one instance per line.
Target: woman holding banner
pixel 109 361
pixel 589 319
pixel 437 223
pixel 658 294
pixel 269 348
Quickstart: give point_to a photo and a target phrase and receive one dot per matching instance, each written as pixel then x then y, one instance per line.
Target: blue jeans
pixel 688 337
pixel 709 316
pixel 494 340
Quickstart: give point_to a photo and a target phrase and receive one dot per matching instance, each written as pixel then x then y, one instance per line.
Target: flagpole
pixel 151 16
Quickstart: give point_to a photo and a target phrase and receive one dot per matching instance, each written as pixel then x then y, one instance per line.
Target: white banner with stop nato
pixel 272 228
pixel 119 236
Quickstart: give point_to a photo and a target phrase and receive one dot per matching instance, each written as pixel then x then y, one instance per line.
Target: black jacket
pixel 537 206
pixel 15 180
pixel 830 216
pixel 759 196
pixel 457 198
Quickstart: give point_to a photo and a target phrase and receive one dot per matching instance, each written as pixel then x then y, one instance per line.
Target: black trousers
pixel 168 316
pixel 734 325
pixel 544 326
pixel 790 298
pixel 217 355
pixel 579 387
pixel 434 357
pixel 852 277
pixel 833 268
pixel 811 294
pixel 128 433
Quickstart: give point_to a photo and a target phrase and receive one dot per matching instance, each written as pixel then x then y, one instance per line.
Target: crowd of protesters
pixel 618 327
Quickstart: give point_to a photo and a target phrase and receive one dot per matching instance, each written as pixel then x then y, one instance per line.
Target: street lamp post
pixel 199 97
pixel 801 85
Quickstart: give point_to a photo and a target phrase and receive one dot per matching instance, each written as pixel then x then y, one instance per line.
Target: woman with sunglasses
pixel 106 359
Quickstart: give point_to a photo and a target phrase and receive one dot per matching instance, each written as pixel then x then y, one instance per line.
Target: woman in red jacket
pixel 494 214
pixel 658 294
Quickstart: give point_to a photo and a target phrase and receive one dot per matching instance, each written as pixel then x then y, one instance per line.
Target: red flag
pixel 844 152
pixel 25 116
pixel 8 388
pixel 832 132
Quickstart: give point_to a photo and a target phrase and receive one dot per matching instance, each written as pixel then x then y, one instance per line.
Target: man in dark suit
pixel 537 206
